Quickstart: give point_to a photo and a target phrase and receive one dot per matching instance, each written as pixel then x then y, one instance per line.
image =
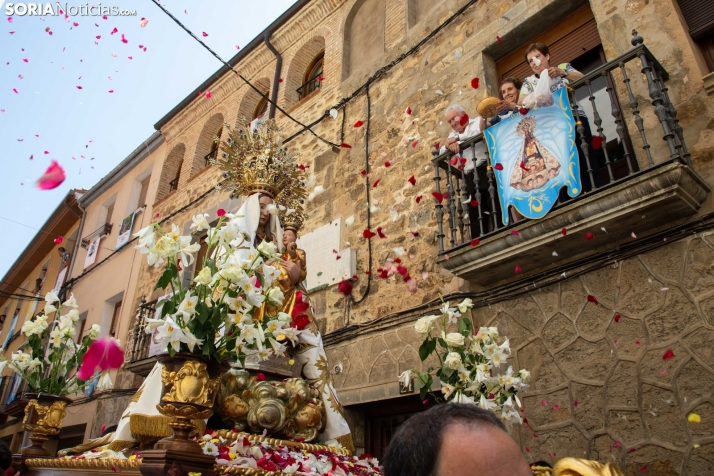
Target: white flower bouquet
pixel 468 364
pixel 54 357
pixel 220 316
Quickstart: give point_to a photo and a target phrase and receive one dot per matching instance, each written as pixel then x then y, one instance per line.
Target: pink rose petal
pixel 104 354
pixel 52 178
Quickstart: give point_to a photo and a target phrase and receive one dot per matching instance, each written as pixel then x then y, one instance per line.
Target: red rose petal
pixel 498 38
pixel 419 197
pixel 414 144
pixel 380 232
pixel 464 119
pixel 438 196
pixel 523 110
pixel 515 232
pixel 616 318
pixel 368 234
pixel 518 268
pixel 597 142
pixel 474 83
pixel 498 166
pixel 411 180
pixel 387 163
pixel 376 183
pixel 564 231
pixel 345 146
pixel 345 287
pixel 408 111
pixel 589 236
pixel 593 300
pixel 474 203
pixel 359 124
pixel 668 355
pixel 475 242
pixel 364 172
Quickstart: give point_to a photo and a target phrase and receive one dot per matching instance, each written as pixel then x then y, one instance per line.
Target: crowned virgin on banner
pixel 537 156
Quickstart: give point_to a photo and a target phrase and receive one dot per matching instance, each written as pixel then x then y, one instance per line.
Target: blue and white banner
pixel 534 156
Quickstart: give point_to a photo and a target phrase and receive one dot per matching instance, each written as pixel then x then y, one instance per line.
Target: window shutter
pixel 699 15
pixel 115 320
pixel 567 40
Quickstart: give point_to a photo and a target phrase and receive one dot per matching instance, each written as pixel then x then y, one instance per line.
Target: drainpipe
pixel 76 243
pixel 278 67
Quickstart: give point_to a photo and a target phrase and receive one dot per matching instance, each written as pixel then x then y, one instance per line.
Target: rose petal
pixel 475 242
pixel 474 83
pixel 464 119
pixel 616 318
pixel 368 234
pixel 408 111
pixel 589 236
pixel 345 146
pixel 103 354
pixel 52 178
pixel 593 300
pixel 359 124
pixel 498 167
pixel 518 268
pixel 668 355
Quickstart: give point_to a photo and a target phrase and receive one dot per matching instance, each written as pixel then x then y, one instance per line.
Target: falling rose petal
pixel 9 19
pixel 643 469
pixel 414 233
pixel 556 407
pixel 544 402
pixel 376 183
pixel 419 197
pixel 344 145
pixel 111 90
pixel 575 403
pixel 79 87
pixel 523 110
pixel 555 253
pixel 204 34
pixel 668 354
pixel 387 163
pixel 603 229
pixel 414 144
pixel 408 111
pixel 15 91
pixel 75 23
pixel 411 285
pixel 59 240
pixel 498 166
pixel 24 60
pixel 368 234
pixel 597 142
pixel 589 236
pixel 208 94
pixel 52 178
pixel 345 287
pixel 20 76
pixel 380 232
pixel 637 342
pixel 359 124
pixel 474 83
pixel 633 235
pixel 438 196
pixel 593 299
pixel 114 55
pixel 114 31
pixel 498 38
pixel 475 242
pixel 411 180
pixel 515 232
pixel 130 57
pixel 518 268
pixel 664 290
pixel 616 317
pixel 145 22
pixel 102 354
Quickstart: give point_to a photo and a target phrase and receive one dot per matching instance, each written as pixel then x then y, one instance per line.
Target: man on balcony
pixel 461 131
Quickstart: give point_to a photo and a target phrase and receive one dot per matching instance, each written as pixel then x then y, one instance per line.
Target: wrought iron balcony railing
pixel 312 85
pixel 103 230
pixel 173 185
pixel 139 345
pixel 618 157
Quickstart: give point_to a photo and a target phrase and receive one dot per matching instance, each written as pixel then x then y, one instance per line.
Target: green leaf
pixel 442 343
pixel 165 279
pixel 465 326
pixel 202 312
pixel 422 393
pixel 169 307
pixel 446 372
pixel 426 348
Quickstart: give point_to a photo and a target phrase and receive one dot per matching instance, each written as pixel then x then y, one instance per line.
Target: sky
pixel 90 130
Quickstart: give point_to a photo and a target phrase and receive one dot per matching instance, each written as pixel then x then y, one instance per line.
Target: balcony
pixel 636 190
pixel 173 185
pixel 102 231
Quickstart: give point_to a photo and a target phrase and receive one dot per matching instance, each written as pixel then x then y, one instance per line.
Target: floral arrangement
pixel 216 318
pixel 55 362
pixel 469 362
pixel 243 453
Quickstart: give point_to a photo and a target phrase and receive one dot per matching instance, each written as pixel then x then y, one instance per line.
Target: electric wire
pixel 304 127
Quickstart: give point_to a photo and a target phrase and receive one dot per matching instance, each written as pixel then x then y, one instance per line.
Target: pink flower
pixel 220 212
pixel 104 354
pixel 52 178
pixel 208 94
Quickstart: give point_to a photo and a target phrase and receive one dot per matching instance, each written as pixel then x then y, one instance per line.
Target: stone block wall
pixel 605 385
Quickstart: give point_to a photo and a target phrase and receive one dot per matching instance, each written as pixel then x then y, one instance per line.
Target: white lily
pixel 169 333
pixel 200 222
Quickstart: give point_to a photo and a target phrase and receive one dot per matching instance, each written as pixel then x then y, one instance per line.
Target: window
pixel 313 76
pixel 699 16
pixel 215 145
pixel 110 211
pixel 261 108
pixel 114 328
pixel 173 185
pixel 142 192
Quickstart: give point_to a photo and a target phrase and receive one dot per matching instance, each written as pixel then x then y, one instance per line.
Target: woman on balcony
pixel 538 57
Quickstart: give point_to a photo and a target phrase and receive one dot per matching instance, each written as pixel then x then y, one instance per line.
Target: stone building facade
pixel 600 386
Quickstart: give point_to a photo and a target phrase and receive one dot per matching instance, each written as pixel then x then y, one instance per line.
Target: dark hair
pixel 517 83
pixel 61 248
pixel 5 455
pixel 414 449
pixel 542 47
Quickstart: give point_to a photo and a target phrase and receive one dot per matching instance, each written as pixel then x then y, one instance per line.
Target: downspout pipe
pixel 68 277
pixel 278 68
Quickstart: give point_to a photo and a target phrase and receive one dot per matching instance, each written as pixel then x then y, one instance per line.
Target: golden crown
pixel 292 217
pixel 256 161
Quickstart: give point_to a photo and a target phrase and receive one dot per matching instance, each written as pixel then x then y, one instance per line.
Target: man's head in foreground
pixel 454 440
